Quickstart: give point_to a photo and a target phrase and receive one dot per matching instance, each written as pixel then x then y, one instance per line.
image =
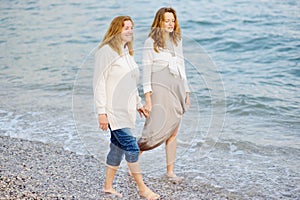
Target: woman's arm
pixel 187 100
pixel 148 54
pixel 148 104
pixel 103 59
pixel 147 65
pixel 182 66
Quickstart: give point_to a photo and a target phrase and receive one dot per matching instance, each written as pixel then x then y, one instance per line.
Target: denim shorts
pixel 122 143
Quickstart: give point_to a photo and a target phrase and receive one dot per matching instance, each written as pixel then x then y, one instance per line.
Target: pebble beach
pixel 34 170
pixel 239 140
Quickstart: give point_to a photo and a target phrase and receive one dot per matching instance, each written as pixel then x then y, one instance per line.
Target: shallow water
pixel 242 59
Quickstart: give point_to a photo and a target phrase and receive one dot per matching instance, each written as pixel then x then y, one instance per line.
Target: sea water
pixel 242 62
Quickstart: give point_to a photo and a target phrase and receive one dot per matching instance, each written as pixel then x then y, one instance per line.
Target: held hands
pixel 142 112
pixel 103 121
pixel 147 109
pixel 148 104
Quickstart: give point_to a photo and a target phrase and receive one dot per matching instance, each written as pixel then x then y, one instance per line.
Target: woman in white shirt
pixel 116 97
pixel 165 86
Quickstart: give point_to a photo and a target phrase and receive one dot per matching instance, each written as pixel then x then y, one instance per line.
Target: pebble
pixel 34 170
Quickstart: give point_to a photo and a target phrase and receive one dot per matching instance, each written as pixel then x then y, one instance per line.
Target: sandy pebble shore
pixel 33 170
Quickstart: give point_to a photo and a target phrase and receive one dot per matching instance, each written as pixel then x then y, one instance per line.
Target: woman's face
pixel 169 22
pixel 127 32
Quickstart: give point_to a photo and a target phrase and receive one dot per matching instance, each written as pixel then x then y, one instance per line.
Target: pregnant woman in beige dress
pixel 165 86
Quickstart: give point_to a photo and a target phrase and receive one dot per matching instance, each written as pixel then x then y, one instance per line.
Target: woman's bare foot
pixel 149 194
pixel 112 191
pixel 174 178
pixel 129 173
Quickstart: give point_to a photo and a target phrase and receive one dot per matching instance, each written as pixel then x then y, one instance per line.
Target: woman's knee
pixel 171 139
pixel 132 156
pixel 133 152
pixel 115 155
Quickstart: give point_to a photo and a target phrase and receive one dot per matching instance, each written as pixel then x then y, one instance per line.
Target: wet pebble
pixel 33 170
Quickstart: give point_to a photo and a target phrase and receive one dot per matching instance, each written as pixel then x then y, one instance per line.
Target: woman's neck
pixel 124 44
pixel 167 35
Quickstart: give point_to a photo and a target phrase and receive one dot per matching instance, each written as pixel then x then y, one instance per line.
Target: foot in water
pixel 149 194
pixel 112 191
pixel 174 178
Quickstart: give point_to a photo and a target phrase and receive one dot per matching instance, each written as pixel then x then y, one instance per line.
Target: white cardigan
pixel 115 87
pixel 154 62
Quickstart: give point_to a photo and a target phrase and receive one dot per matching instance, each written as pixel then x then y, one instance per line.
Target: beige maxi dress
pixel 168 106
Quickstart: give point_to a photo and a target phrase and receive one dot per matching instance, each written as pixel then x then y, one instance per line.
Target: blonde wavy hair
pixel 113 35
pixel 157 32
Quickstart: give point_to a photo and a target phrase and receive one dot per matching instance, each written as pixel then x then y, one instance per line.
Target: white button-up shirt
pixel 115 87
pixel 154 62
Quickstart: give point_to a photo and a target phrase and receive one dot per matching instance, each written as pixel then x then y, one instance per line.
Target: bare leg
pixel 129 171
pixel 171 144
pixel 109 177
pixel 138 177
pixel 140 153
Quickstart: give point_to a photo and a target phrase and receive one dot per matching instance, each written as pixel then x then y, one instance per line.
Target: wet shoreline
pixel 33 170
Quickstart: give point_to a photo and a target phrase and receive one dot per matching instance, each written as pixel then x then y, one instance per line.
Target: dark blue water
pixel 242 60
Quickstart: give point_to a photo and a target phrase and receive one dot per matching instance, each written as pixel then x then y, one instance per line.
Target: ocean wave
pixel 243 105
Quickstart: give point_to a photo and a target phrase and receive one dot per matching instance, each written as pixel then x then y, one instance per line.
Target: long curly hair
pixel 157 32
pixel 113 35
